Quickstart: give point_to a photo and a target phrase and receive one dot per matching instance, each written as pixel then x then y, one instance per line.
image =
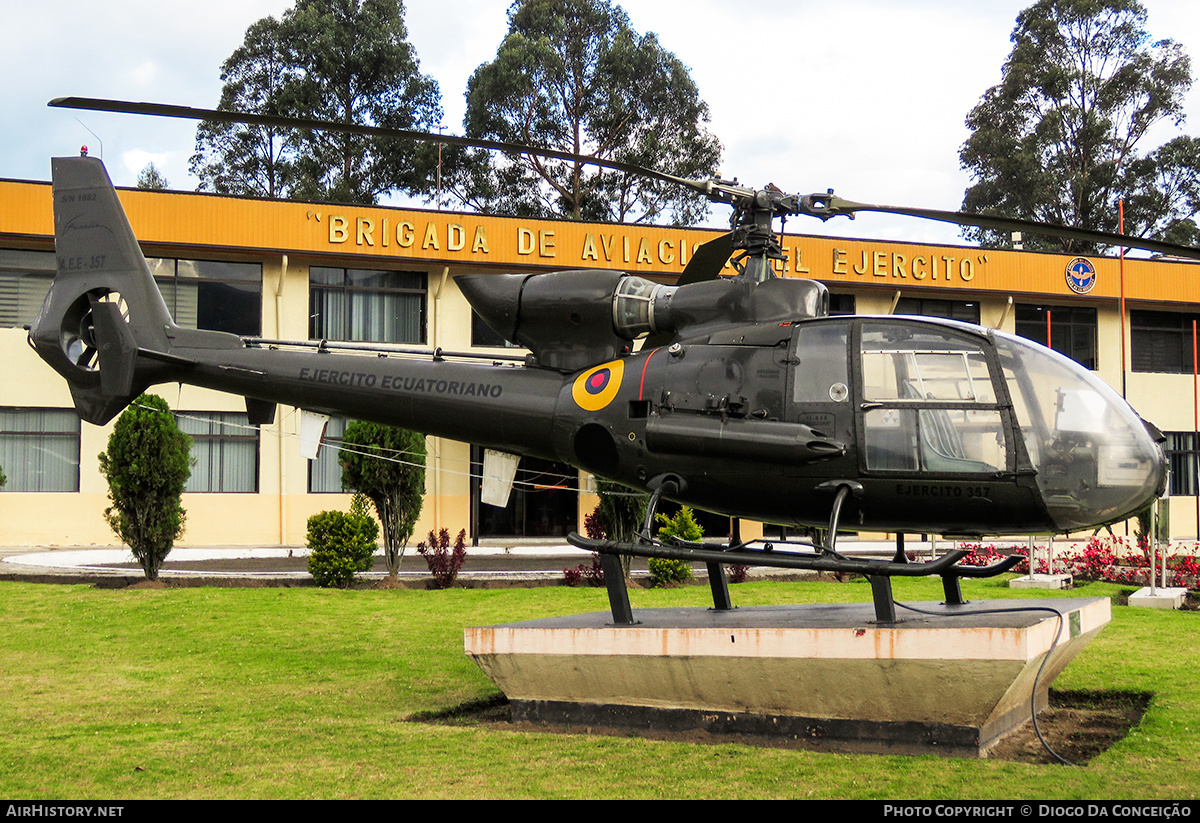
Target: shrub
pixel 980 555
pixel 1110 559
pixel 666 572
pixel 147 463
pixel 443 562
pixel 592 525
pixel 1113 560
pixel 592 575
pixel 683 526
pixel 340 545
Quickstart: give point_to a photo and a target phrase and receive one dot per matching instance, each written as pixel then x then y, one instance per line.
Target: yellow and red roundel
pixel 596 388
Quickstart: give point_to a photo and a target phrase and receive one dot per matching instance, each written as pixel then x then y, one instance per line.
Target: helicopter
pixel 745 397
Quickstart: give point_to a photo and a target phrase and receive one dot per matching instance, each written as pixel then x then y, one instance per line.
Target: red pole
pixel 1121 228
pixel 1049 339
pixel 1121 220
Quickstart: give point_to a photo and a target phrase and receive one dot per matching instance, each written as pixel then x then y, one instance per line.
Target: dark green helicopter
pixel 745 397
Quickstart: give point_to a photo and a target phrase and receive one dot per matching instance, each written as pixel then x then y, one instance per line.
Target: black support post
pixel 618 594
pixel 719 586
pixel 881 591
pixel 952 589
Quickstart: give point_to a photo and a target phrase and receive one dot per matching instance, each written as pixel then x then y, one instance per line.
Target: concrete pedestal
pixel 1162 598
pixel 1041 581
pixel 950 680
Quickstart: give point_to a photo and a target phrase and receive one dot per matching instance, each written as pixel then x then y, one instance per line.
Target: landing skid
pixel 764 553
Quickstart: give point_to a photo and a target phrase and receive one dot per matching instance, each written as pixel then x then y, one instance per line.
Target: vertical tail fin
pixel 103 306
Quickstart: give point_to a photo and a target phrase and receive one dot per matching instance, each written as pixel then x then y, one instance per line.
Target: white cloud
pixel 135 160
pixel 144 74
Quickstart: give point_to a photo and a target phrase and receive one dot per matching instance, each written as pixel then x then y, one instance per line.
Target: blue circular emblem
pixel 1081 275
pixel 598 382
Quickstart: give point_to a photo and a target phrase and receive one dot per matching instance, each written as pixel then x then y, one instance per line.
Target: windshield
pixel 1096 461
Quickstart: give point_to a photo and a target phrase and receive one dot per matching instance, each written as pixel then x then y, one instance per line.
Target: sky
pixel 866 98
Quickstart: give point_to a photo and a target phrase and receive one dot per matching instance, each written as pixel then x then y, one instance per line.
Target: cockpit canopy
pixel 937 399
pixel 1096 460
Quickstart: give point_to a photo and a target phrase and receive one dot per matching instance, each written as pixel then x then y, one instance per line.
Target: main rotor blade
pixel 278 121
pixel 986 221
pixel 823 206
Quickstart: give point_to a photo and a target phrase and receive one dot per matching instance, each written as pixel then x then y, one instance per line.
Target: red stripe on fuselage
pixel 642 382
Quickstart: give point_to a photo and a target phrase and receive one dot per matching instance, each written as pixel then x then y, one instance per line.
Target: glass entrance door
pixel 544 501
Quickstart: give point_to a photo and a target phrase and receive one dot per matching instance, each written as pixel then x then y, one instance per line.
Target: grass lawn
pixel 307 693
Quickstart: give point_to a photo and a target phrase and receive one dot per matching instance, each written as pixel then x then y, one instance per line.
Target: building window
pixel 39 450
pixel 225 451
pixel 483 335
pixel 1072 330
pixel 949 309
pixel 325 473
pixel 841 304
pixel 1183 456
pixel 211 295
pixel 1161 341
pixel 25 277
pixel 361 305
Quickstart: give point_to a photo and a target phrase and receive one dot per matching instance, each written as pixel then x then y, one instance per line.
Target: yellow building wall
pixel 287 238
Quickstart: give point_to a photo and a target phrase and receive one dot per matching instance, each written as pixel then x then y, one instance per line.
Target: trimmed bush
pixel 147 463
pixel 683 525
pixel 340 545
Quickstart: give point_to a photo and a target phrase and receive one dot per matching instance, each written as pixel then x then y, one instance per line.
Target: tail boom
pixel 105 327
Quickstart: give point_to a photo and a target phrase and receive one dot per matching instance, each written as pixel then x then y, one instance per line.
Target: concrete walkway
pixel 78 564
pixel 533 561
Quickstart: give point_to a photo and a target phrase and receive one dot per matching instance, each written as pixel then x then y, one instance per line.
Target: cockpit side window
pixel 929 402
pixel 821 374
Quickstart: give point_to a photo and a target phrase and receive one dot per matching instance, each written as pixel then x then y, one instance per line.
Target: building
pixel 304 271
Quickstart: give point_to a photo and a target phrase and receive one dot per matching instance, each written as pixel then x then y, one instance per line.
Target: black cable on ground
pixel 1037 678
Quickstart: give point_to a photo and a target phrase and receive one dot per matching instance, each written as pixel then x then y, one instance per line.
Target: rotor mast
pixel 752 230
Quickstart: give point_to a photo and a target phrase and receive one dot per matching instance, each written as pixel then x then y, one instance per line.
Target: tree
pixel 571 75
pixel 1057 140
pixel 341 60
pixel 151 179
pixel 619 515
pixel 387 464
pixel 621 511
pixel 147 463
pixel 233 158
